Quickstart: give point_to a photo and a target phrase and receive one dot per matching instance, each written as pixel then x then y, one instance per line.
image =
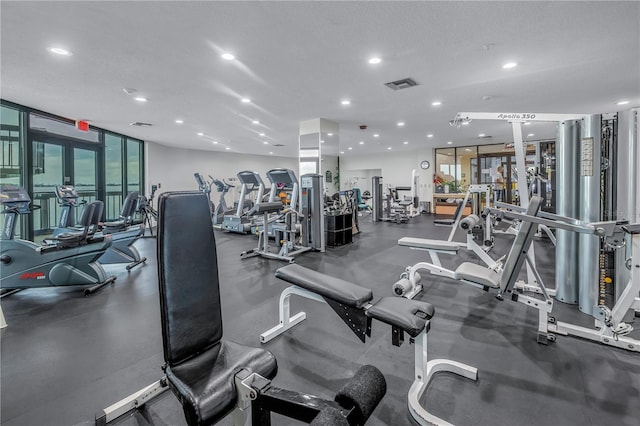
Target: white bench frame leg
pixel 286 320
pixel 424 372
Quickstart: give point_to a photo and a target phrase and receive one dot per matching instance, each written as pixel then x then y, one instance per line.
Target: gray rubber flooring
pixel 65 356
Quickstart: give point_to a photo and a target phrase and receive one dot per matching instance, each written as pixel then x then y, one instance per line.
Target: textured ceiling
pixel 297 60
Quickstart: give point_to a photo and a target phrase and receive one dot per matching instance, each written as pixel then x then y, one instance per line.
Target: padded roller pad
pixel 427 244
pixel 406 314
pixel 478 274
pixel 330 416
pixel 326 286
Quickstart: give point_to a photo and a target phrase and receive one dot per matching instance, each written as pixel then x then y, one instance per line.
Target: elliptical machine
pixel 71 259
pixel 123 232
pixel 221 209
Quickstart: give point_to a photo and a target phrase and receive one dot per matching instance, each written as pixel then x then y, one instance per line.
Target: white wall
pixel 173 168
pixel 395 168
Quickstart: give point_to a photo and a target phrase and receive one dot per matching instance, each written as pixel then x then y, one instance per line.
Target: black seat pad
pixel 409 315
pixel 326 286
pixel 207 380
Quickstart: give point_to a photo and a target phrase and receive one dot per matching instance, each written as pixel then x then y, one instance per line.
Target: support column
pixel 567 203
pixel 589 245
pixel 626 188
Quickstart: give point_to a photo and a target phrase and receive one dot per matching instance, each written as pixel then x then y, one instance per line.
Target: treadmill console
pixel 15 197
pixel 66 192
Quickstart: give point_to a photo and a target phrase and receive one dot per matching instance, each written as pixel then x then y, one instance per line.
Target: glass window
pixel 10 142
pixel 134 165
pixel 113 175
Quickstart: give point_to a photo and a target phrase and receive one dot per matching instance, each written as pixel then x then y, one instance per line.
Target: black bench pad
pixel 409 315
pixel 326 286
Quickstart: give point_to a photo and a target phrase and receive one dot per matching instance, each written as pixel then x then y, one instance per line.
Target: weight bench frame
pixel 424 370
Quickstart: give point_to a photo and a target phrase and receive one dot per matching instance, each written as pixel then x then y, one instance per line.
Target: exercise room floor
pixel 65 356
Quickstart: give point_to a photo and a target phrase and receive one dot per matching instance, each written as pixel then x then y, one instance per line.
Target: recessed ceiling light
pixel 271 153
pixel 329 134
pixel 345 102
pixel 265 142
pixel 245 100
pixel 389 147
pixel 405 143
pixel 375 60
pixel 430 135
pixel 341 152
pixel 400 123
pixel 60 51
pixel 227 56
pixel 261 134
pixel 436 103
pixel 481 135
pixel 449 142
pixel 375 135
pixel 178 121
pixel 530 134
pixel 622 103
pixel 350 148
pixel 227 148
pixel 215 142
pixel 321 140
pixel 361 142
pixel 140 99
pixel 510 65
pixel 256 122
pixel 200 134
pixel 527 123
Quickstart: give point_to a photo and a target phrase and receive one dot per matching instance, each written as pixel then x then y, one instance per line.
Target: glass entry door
pixel 57 162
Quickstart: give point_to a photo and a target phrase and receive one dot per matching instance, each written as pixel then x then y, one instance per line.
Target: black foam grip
pixel 329 417
pixel 363 392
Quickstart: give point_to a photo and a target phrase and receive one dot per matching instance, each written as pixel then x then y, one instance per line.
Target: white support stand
pixel 424 373
pixel 286 320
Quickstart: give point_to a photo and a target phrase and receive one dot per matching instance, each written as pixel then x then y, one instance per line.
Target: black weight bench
pixel 354 305
pixel 212 377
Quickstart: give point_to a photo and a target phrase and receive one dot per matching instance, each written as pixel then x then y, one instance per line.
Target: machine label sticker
pixel 33 276
pixel 516 116
pixel 586 157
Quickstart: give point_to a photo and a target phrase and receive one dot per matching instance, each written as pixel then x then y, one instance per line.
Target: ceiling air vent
pixel 278 144
pixel 401 84
pixel 140 124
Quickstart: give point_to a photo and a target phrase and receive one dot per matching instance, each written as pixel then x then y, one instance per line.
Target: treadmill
pixel 239 222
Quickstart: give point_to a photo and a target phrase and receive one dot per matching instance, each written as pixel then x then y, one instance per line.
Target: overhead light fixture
pixel 215 142
pixel 481 135
pixel 374 60
pixel 400 123
pixel 449 142
pixel 227 56
pixel 436 103
pixel 255 122
pixel 510 65
pixel 200 134
pixel 622 103
pixel 405 143
pixel 430 135
pixel 530 134
pixel 140 99
pixel 389 148
pixel 375 135
pixel 227 148
pixel 245 100
pixel 345 102
pixel 341 152
pixel 270 153
pixel 60 51
pixel 321 140
pixel 261 134
pixel 350 148
pixel 361 142
pixel 179 121
pixel 265 142
pixel 329 134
